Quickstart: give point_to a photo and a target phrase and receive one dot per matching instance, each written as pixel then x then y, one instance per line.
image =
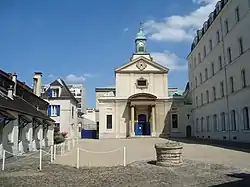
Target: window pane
pixel 237 14
pixel 220 62
pixel 218 36
pixel 202 123
pixel 206 74
pixel 212 68
pixel 222 89
pixel 210 44
pixel 246 118
pixel 207 95
pixel 141 82
pixel 240 46
pixel 233 120
pixel 223 121
pixel 243 78
pixel 141 49
pixel 215 123
pixel 208 124
pixel 232 84
pixel 229 55
pixel 109 121
pixel 174 120
pixel 214 93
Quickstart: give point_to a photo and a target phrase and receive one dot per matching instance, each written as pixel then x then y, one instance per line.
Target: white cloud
pixel 180 28
pixel 125 29
pixel 73 79
pixel 51 76
pixel 170 60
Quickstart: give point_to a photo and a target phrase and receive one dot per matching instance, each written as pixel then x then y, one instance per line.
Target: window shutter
pixel 49 110
pixel 58 110
pixel 50 92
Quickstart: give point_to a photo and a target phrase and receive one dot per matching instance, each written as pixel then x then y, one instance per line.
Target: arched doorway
pixel 188 131
pixel 142 127
pixel 142 114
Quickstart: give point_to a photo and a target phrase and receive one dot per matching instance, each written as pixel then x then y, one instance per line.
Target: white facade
pixel 90 114
pixel 219 74
pixel 67 119
pixel 62 108
pixel 140 104
pixel 79 93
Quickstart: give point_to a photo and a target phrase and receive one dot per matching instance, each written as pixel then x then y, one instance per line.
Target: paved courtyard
pixel 203 166
pixel 140 149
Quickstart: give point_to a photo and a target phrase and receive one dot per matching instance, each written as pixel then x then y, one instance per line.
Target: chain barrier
pixel 101 152
pixel 43 154
pixel 105 152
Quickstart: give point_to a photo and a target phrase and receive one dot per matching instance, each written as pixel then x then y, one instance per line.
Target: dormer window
pixel 141 83
pixel 54 92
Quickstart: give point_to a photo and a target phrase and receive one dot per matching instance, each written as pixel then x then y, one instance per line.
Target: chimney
pixel 10 92
pixel 37 83
pixel 14 79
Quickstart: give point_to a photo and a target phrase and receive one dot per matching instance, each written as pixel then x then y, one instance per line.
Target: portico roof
pixel 142 96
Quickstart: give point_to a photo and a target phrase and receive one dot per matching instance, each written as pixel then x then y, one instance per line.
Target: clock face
pixel 141 44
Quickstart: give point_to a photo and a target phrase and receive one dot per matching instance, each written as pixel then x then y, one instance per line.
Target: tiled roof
pixel 21 106
pixel 65 92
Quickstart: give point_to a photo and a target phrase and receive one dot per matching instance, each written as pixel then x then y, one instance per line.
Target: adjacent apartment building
pixel 219 74
pixel 62 107
pixel 78 92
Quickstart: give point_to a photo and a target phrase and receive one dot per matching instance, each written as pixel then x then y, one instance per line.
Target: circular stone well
pixel 169 154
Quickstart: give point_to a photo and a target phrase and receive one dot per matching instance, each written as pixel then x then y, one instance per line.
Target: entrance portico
pixel 142 115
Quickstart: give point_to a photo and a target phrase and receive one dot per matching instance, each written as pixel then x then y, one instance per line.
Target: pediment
pixel 142 64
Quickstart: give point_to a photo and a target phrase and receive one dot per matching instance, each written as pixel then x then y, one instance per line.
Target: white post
pixel 68 144
pixel 51 153
pixel 77 158
pixel 64 145
pixel 124 156
pixel 40 166
pixel 3 160
pixel 73 142
pixel 132 131
pixel 61 148
pixel 54 152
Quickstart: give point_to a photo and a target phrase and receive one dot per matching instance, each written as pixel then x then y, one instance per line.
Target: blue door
pixel 140 126
pixel 89 134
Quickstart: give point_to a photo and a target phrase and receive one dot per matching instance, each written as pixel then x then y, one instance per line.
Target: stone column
pixel 153 133
pixel 132 132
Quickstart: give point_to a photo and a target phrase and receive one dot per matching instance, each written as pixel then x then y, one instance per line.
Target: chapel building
pixel 140 104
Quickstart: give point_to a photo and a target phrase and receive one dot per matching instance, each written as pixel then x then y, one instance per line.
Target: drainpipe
pixel 226 80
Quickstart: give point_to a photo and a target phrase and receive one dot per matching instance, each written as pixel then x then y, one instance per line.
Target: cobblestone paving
pixel 138 174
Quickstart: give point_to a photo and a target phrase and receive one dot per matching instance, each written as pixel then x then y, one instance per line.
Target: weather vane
pixel 141 24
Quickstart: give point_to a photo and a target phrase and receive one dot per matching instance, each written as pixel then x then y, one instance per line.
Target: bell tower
pixel 140 41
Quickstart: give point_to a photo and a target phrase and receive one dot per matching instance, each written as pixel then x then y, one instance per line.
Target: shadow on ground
pixel 238 146
pixel 244 181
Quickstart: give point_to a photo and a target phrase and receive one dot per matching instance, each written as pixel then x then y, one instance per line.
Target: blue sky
pixel 84 41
